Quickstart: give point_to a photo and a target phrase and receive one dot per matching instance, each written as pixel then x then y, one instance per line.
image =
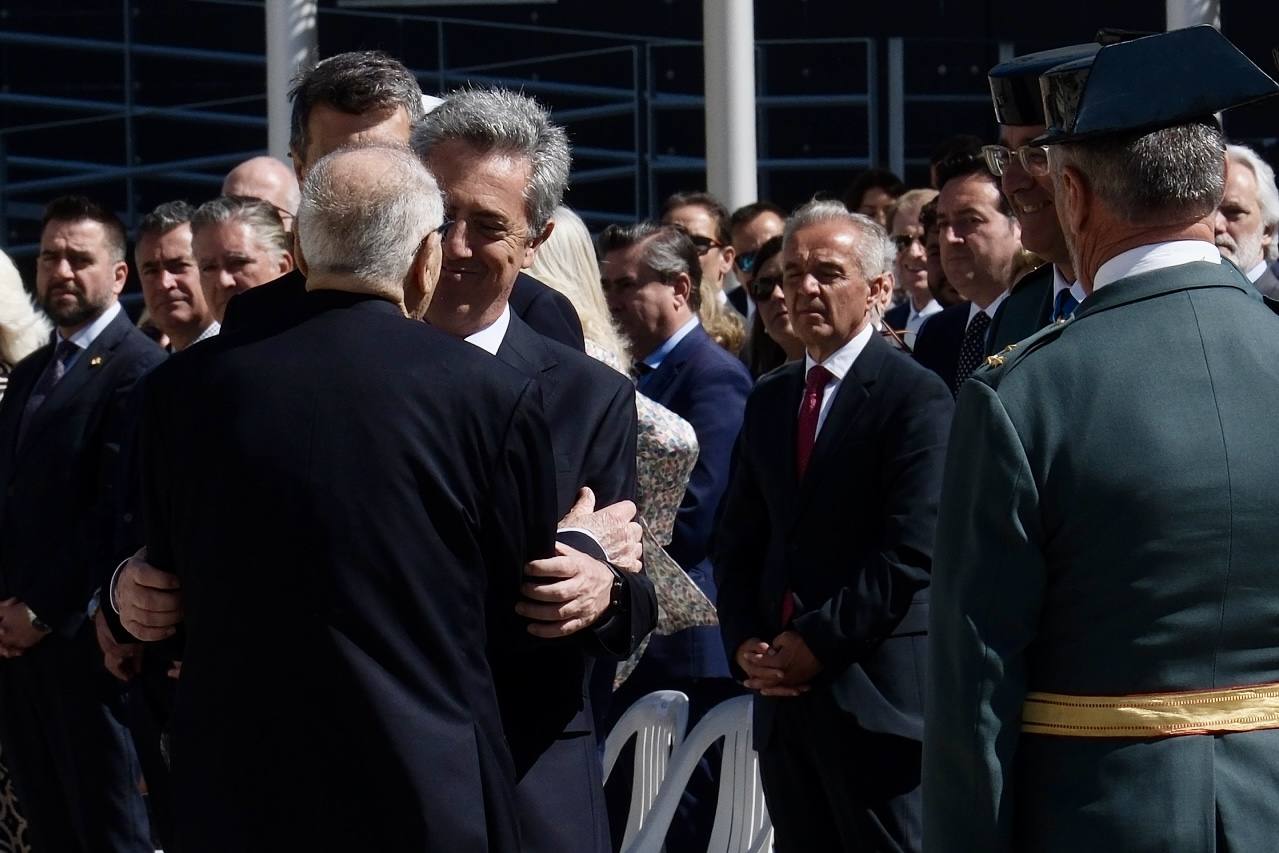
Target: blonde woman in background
pixel 23 329
pixel 667 445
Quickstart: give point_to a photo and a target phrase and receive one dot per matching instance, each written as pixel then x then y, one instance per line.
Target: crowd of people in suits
pixel 405 487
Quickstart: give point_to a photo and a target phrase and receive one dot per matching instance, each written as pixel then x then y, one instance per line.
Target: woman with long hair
pixel 23 329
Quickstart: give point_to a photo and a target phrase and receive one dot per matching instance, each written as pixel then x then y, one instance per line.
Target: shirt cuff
pixel 111 596
pixel 588 534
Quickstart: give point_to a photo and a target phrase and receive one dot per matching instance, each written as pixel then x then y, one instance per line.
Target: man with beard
pixel 1247 218
pixel 63 422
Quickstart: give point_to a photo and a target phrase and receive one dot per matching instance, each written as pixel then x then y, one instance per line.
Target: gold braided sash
pixel 1147 715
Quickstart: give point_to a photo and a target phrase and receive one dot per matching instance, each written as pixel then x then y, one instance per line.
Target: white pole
pixel 1188 13
pixel 290 43
pixel 729 47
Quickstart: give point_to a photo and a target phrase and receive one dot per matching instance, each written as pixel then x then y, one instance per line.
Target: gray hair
pixel 260 216
pixel 1267 192
pixel 1174 173
pixel 874 252
pixel 667 251
pixel 504 122
pixel 164 218
pixel 365 211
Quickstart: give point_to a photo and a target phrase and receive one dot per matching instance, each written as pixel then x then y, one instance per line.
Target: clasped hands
pixel 571 590
pixel 783 668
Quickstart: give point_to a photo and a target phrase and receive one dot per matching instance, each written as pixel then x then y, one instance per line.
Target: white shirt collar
pixel 1060 283
pixel 490 338
pixel 989 310
pixel 841 360
pixel 1257 271
pixel 928 310
pixel 86 336
pixel 1155 256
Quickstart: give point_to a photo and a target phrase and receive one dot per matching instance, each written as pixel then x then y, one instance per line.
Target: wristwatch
pixel 615 591
pixel 38 623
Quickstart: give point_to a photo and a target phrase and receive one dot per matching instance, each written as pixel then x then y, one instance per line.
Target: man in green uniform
pixel 1104 645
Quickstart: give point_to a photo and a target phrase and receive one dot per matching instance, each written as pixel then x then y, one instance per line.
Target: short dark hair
pixel 667 251
pixel 872 179
pixel 748 212
pixel 355 83
pixel 952 145
pixel 165 217
pixel 708 202
pixel 74 208
pixel 765 253
pixel 966 164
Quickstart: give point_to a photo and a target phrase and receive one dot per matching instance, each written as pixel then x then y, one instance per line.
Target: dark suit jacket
pixel 544 689
pixel 1107 527
pixel 853 540
pixel 1268 284
pixel 61 506
pixel 895 318
pixel 1026 310
pixel 350 547
pixel 939 339
pixel 703 384
pixel 275 304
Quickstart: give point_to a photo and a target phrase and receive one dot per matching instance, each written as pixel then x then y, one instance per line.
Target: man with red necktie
pixel 823 551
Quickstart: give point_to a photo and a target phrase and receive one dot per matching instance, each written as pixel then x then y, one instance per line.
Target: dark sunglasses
pixel 704 244
pixel 745 261
pixel 904 241
pixel 762 286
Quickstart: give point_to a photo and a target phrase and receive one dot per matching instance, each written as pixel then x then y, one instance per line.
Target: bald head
pixel 268 179
pixel 366 218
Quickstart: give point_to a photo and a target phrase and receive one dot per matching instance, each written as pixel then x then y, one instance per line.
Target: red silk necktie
pixel 806 437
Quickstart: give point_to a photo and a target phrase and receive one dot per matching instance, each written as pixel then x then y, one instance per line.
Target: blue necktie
pixel 53 373
pixel 1064 306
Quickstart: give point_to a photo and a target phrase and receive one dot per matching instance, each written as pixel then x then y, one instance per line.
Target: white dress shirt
pixel 1257 271
pixel 989 310
pixel 86 336
pixel 839 363
pixel 1155 256
pixel 915 319
pixel 1059 284
pixel 490 337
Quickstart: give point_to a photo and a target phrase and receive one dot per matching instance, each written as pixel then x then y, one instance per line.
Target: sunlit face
pixel 828 298
pixel 773 310
pixel 171 281
pixel 910 269
pixel 232 260
pixel 1241 235
pixel 329 129
pixel 76 278
pixel 716 257
pixel 979 243
pixel 748 237
pixel 1032 198
pixel 644 306
pixel 489 242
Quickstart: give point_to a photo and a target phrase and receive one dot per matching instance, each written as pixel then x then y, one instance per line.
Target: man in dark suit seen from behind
pixel 368 96
pixel 1246 227
pixel 64 420
pixel 382 486
pixel 503 166
pixel 823 551
pixel 649 273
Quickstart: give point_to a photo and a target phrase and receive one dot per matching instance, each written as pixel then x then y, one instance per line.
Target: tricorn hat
pixel 1149 83
pixel 1014 85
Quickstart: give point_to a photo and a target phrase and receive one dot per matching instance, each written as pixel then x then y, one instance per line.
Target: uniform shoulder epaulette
pixel 1004 360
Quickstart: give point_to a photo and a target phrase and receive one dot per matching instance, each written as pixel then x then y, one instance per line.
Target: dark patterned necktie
pixel 53 373
pixel 1064 306
pixel 972 351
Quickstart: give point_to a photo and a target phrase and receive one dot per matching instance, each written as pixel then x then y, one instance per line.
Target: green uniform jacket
pixel 1109 524
pixel 1026 310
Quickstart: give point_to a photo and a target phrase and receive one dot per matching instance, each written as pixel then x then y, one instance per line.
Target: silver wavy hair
pixel 1267 192
pixel 874 251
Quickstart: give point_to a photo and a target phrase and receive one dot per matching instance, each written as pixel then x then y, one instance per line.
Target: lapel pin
pixel 96 361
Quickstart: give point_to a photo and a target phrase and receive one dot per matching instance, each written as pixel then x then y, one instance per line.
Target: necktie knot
pixel 818 378
pixel 1064 305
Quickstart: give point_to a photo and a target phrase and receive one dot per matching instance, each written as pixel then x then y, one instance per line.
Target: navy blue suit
pixel 896 317
pixel 939 339
pixel 852 542
pixel 61 511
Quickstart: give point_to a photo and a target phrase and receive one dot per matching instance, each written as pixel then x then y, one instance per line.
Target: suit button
pixel 128 518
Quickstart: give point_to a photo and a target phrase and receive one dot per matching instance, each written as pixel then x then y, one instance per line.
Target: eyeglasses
pixel 903 242
pixel 443 230
pixel 746 261
pixel 704 244
pixel 1034 159
pixel 761 289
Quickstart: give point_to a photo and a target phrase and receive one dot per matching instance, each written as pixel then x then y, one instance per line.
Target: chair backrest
pixel 741 817
pixel 657 722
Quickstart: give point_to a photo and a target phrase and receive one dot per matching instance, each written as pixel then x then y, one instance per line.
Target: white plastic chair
pixel 741 818
pixel 657 722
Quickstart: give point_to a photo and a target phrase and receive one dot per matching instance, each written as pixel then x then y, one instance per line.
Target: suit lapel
pixel 850 400
pixel 87 365
pixel 16 396
pixel 657 386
